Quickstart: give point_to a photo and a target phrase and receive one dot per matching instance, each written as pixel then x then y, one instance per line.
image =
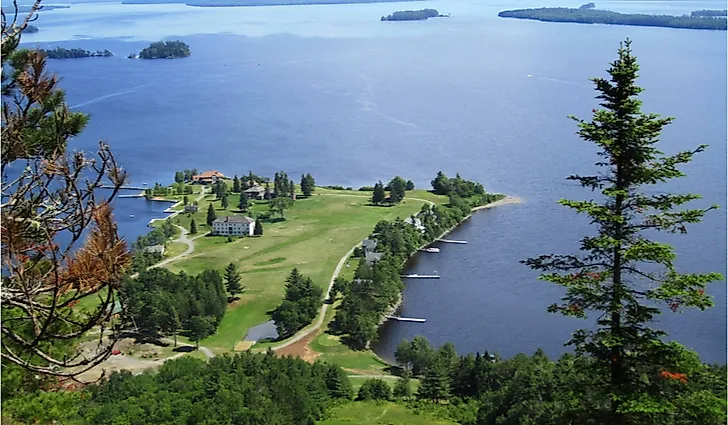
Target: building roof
pixel 369 243
pixel 254 189
pixel 373 256
pixel 208 174
pixel 154 248
pixel 234 219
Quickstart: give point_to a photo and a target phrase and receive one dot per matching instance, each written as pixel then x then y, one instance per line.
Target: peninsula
pixel 62 53
pixel 165 50
pixel 30 29
pixel 413 15
pixel 596 16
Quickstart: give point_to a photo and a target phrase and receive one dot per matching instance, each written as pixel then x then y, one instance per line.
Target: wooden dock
pixel 406 319
pixel 451 241
pixel 105 186
pixel 138 195
pixel 420 276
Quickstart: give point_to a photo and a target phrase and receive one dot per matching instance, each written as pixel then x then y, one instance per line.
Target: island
pixel 165 50
pixel 28 8
pixel 30 29
pixel 587 6
pixel 708 13
pixel 61 53
pixel 595 16
pixel 413 15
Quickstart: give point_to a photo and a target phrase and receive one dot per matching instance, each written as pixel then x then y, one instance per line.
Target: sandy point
pixel 505 201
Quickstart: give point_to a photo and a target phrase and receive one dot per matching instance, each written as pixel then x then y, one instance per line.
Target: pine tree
pixel 173 323
pixel 185 200
pixel 435 385
pixel 224 202
pixel 291 189
pixel 193 226
pixel 378 196
pixel 243 203
pixel 232 280
pixel 307 184
pixel 610 277
pixel 258 229
pixel 236 184
pixel 211 216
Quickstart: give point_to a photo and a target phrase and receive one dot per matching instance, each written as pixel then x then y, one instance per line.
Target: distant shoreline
pixel 253 3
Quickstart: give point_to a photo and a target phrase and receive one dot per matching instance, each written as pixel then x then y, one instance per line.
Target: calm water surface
pixel 332 91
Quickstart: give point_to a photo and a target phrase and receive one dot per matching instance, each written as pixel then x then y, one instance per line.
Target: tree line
pixel 594 16
pixel 62 53
pixel 243 389
pixel 411 15
pixel 397 188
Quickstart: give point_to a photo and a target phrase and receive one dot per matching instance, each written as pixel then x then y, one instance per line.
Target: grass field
pixel 378 413
pixel 317 232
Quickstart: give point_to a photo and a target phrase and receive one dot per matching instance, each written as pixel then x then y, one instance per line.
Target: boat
pixel 131 215
pixel 144 184
pixel 434 250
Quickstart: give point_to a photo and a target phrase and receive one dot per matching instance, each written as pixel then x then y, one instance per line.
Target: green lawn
pixel 174 249
pixel 317 232
pixel 382 413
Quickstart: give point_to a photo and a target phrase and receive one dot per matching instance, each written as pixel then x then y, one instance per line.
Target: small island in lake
pixel 595 16
pixel 413 15
pixel 165 50
pixel 587 6
pixel 61 53
pixel 30 29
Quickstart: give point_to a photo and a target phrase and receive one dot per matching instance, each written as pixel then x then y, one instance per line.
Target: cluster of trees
pixel 161 301
pixel 245 388
pixel 165 50
pixel 442 185
pixel 709 13
pixel 176 188
pixel 62 53
pixel 412 15
pixel 300 305
pixel 396 187
pixel 184 176
pixel 308 184
pixel 282 186
pixel 594 16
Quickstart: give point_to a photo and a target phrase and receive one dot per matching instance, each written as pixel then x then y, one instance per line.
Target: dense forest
pixel 165 50
pixel 412 15
pixel 161 301
pixel 300 305
pixel 61 53
pixel 593 16
pixel 709 13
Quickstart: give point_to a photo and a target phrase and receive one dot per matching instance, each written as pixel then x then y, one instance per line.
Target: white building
pixel 233 226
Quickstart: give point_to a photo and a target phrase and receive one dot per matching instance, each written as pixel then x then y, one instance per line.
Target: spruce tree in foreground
pixel 258 229
pixel 193 227
pixel 622 275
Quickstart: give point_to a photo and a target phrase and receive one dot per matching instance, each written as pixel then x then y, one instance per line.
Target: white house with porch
pixel 233 225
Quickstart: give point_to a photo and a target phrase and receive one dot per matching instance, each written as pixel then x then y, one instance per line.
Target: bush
pixel 366 189
pixel 375 389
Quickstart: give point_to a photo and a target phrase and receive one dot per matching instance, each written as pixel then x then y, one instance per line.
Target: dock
pixel 420 276
pixel 138 195
pixel 451 241
pixel 405 319
pixel 106 186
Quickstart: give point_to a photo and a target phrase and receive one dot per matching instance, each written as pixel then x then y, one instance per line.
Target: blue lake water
pixel 332 91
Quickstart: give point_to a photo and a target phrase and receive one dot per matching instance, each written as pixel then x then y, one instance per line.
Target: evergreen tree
pixel 243 203
pixel 179 177
pixel 232 280
pixel 403 387
pixel 268 195
pixel 236 184
pixel 379 195
pixel 611 277
pixel 173 323
pixel 193 227
pixel 410 185
pixel 258 229
pixel 211 216
pixel 397 187
pixel 435 385
pixel 224 202
pixel 307 184
pixel 338 383
pixel 185 200
pixel 374 389
pixel 291 189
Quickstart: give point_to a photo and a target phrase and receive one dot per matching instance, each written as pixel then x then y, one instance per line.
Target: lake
pixel 332 91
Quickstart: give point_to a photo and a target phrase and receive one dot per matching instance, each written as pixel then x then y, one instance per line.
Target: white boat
pixel 434 250
pixel 131 215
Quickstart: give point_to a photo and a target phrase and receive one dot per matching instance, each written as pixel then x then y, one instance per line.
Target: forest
pixel 165 50
pixel 709 13
pixel 594 16
pixel 412 15
pixel 62 53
